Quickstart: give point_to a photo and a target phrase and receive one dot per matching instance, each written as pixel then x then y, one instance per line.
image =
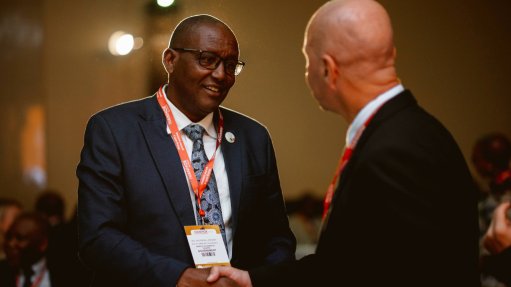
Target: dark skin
pixel 197 278
pixel 197 92
pixel 25 243
pixel 193 89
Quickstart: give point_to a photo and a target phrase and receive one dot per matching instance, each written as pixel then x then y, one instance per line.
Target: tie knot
pixel 194 131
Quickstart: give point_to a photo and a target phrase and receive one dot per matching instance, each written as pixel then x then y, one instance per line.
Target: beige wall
pixel 81 77
pixel 454 55
pixel 21 41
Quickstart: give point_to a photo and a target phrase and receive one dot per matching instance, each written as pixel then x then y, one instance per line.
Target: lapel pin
pixel 230 137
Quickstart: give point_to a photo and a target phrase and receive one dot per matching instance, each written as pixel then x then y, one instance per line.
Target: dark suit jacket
pixel 134 198
pixel 404 212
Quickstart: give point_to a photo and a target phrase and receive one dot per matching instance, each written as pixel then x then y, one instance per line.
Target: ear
pixel 168 58
pixel 331 71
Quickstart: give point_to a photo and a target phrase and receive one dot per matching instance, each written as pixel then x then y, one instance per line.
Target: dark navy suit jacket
pixel 404 212
pixel 134 198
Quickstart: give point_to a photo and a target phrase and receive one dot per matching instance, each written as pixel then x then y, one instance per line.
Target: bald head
pixel 351 42
pixel 352 31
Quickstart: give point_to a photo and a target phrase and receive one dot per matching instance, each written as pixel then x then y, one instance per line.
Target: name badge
pixel 207 246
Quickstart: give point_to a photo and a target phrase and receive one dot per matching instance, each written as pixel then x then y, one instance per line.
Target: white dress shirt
pixel 40 273
pixel 368 111
pixel 222 182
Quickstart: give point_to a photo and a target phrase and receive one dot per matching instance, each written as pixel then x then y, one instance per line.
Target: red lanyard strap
pixel 197 187
pixel 346 155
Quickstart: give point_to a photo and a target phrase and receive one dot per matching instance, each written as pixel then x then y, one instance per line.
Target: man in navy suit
pixel 134 193
pixel 403 211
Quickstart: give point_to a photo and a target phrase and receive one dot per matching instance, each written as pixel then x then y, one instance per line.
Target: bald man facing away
pixel 403 211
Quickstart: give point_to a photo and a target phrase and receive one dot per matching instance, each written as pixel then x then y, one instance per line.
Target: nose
pixel 219 71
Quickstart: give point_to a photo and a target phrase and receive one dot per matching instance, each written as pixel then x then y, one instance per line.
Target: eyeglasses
pixel 210 61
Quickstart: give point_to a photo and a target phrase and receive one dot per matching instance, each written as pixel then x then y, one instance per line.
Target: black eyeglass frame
pixel 237 69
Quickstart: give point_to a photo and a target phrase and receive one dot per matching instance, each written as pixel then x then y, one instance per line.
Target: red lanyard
pixel 197 187
pixel 38 279
pixel 348 151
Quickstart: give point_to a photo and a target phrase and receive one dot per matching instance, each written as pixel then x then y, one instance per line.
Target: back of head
pixel 358 34
pixel 51 205
pixel 492 154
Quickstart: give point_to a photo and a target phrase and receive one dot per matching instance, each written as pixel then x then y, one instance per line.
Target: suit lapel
pixel 394 105
pixel 233 163
pixel 167 161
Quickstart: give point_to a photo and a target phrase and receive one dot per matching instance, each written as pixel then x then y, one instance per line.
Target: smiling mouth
pixel 212 88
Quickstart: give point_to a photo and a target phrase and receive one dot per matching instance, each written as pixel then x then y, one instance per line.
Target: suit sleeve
pixel 281 244
pixel 305 272
pixel 103 241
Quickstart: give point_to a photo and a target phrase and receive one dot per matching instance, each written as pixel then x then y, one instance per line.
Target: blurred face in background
pixel 25 242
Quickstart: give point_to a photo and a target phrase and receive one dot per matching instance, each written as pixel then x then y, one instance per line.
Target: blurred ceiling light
pixel 164 3
pixel 138 43
pixel 121 43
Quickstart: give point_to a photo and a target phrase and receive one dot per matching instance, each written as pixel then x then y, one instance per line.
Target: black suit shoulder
pixel 146 108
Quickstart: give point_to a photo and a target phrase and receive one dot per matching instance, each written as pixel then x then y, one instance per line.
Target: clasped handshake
pixel 214 277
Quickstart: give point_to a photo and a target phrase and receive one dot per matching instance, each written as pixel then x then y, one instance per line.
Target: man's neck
pixel 179 106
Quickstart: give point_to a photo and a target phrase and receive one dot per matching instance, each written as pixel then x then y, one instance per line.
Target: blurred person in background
pixel 51 205
pixel 63 238
pixel 9 209
pixel 491 157
pixel 305 221
pixel 497 241
pixel 27 263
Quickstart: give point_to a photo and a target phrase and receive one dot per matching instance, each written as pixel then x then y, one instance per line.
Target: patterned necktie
pixel 210 200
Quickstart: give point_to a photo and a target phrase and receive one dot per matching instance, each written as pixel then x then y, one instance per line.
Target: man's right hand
pixel 193 277
pixel 241 277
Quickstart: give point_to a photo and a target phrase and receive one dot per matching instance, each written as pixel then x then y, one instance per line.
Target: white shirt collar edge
pixel 369 109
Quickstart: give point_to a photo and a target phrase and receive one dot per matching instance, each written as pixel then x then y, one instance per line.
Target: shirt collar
pixel 39 266
pixel 369 109
pixel 182 120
